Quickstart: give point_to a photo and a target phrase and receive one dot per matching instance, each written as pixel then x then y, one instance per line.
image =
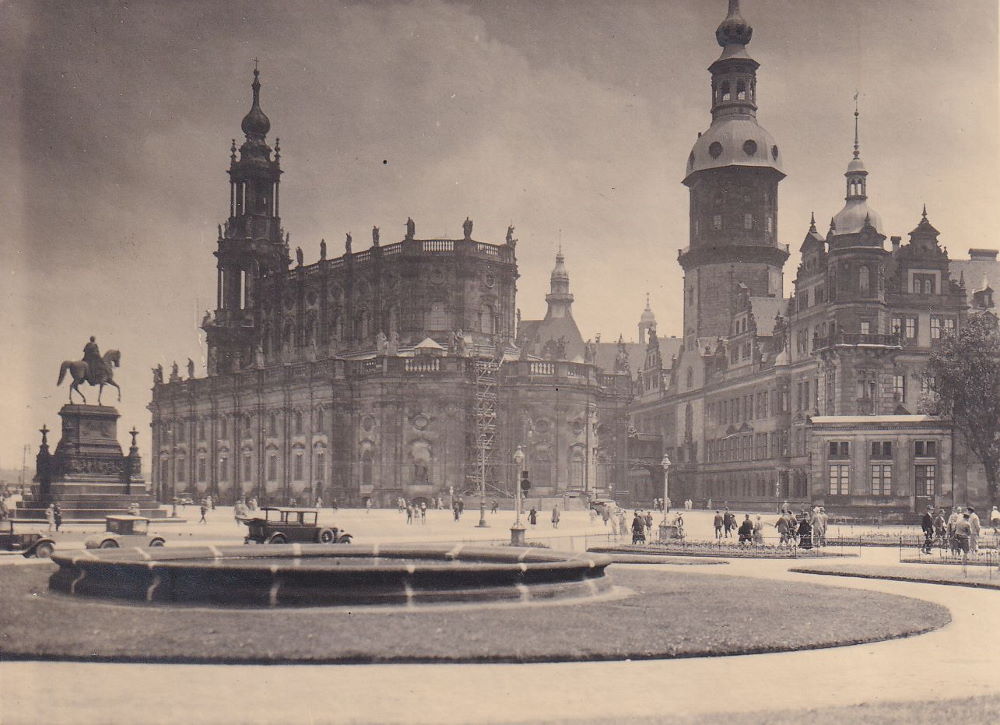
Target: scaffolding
pixel 485 474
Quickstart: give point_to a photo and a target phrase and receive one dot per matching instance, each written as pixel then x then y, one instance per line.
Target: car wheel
pixel 345 539
pixel 326 536
pixel 44 550
pixel 156 542
pixel 277 539
pixel 109 544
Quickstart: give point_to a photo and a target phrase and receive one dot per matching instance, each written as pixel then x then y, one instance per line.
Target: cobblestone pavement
pixel 958 660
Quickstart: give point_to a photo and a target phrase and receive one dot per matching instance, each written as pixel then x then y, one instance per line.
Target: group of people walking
pixel 804 530
pixel 959 530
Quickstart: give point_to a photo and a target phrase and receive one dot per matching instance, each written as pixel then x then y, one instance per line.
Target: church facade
pixel 818 397
pixel 381 373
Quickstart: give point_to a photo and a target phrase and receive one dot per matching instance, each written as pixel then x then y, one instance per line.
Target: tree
pixel 964 376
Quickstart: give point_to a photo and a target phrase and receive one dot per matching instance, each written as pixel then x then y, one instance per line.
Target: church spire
pixel 559 298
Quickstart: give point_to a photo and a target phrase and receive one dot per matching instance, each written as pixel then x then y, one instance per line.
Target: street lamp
pixel 517 530
pixel 666 483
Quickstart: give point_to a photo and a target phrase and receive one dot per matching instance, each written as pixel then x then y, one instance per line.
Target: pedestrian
pixel 204 510
pixel 409 514
pixel 50 516
pixel 423 512
pixel 746 531
pixel 758 531
pixel 319 502
pixel 927 526
pixel 648 520
pixel 494 506
pixel 253 503
pixel 782 526
pixel 709 505
pixel 592 513
pixel 211 502
pixel 57 515
pixel 963 532
pixel 717 523
pixel 940 527
pixel 605 514
pixel 533 517
pixel 638 530
pixel 995 521
pixel 679 523
pixel 805 533
pixel 555 517
pixel 622 523
pixel 953 518
pixel 727 522
pixel 368 505
pixel 976 528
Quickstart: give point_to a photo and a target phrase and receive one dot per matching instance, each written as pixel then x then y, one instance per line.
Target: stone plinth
pixel 88 475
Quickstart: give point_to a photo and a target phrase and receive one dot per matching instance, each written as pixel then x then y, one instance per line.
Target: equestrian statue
pixel 94 369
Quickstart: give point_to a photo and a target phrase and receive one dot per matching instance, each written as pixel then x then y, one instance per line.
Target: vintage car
pixel 284 525
pixel 184 499
pixel 125 531
pixel 29 545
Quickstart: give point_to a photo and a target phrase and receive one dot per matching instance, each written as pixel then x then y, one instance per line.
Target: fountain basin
pixel 323 575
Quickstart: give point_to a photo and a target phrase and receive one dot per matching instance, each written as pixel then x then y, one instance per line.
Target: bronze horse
pixel 81 373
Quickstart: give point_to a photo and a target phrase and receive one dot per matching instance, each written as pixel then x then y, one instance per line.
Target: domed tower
pixel 250 244
pixel 647 322
pixel 732 173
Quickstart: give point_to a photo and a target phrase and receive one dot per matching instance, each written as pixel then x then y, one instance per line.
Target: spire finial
pixel 647 300
pixel 857 146
pixel 924 214
pixel 812 222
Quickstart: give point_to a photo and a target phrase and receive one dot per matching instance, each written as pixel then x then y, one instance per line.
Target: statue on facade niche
pixel 258 354
pixel 298 256
pixel 561 348
pixel 347 243
pixel 467 228
pixel 510 236
pixel 190 368
pixel 381 343
pixel 411 228
pixel 322 249
pixel 393 343
pixel 158 375
pixel 621 358
pixel 375 236
pixel 458 342
pixel 589 352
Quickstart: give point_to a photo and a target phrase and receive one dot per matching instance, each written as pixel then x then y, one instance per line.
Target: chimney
pixel 895 243
pixel 983 255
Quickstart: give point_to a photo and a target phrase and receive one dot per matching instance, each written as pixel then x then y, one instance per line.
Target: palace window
pixel 748 221
pixel 925 479
pixel 298 465
pixel 866 327
pixel 881 449
pixel 839 449
pixel 935 327
pixel 320 473
pixel 770 224
pixel 923 284
pixel 899 387
pixel 717 222
pixel 272 467
pixel 181 465
pixel 927 384
pixel 201 468
pixel 201 429
pixel 725 94
pixel 925 449
pixel 247 467
pixel 881 480
pixel 437 317
pixel 298 422
pixel 223 468
pixel 223 427
pixel 863 276
pixel 911 328
pixel 272 424
pixel 839 479
pixel 949 325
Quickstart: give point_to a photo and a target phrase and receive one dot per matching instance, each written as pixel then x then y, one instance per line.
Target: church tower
pixel 732 174
pixel 250 243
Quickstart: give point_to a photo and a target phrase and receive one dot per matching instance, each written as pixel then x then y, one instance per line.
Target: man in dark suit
pixel 927 524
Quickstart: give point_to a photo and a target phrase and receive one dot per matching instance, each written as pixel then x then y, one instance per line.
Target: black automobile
pixel 29 545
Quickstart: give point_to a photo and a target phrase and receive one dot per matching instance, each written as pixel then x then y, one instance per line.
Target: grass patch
pixel 670 615
pixel 972 576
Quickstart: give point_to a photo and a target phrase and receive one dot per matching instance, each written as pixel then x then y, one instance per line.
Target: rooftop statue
pixel 411 228
pixel 94 369
pixel 467 228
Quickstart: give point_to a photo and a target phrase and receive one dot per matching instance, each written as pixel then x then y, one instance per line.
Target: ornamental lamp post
pixel 666 483
pixel 517 530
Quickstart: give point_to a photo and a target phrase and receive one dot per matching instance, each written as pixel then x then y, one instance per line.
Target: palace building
pixel 381 373
pixel 818 397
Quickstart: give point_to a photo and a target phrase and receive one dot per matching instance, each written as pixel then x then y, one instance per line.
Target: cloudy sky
pixel 568 118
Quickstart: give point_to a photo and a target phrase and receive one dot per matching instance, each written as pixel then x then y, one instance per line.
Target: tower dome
pixel 734 30
pixel 857 213
pixel 256 124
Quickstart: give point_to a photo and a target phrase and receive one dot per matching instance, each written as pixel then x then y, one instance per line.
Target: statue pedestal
pixel 88 475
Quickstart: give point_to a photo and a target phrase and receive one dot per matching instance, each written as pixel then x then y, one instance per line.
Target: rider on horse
pixel 92 356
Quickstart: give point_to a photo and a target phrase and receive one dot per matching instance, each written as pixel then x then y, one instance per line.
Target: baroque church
pixel 385 372
pixel 818 397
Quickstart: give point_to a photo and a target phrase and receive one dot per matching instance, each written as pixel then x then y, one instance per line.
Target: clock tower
pixel 732 174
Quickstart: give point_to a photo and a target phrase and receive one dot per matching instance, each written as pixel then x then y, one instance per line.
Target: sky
pixel 571 119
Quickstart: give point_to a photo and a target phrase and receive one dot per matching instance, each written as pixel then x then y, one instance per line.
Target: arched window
pixel 741 90
pixel 437 317
pixel 690 378
pixel 725 93
pixel 272 424
pixel 366 468
pixel 576 468
pixel 863 279
pixel 486 319
pixel 688 422
pixel 298 422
